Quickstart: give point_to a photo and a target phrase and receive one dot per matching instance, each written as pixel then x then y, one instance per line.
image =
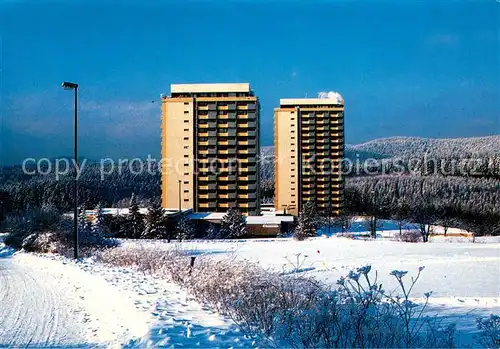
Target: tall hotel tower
pixel 309 147
pixel 210 148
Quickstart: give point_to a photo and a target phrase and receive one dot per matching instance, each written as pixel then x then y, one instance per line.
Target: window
pixel 293 119
pixel 293 176
pixel 186 129
pixel 186 111
pixel 186 121
pixel 293 195
pixel 292 163
pixel 186 103
pixel 186 147
pixel 292 183
pixel 186 200
pixel 186 155
pixel 293 201
pixel 186 182
pixel 186 190
pixel 292 131
pixel 186 173
pixel 186 165
pixel 293 150
pixel 292 137
pixel 292 144
pixel 186 138
pixel 292 125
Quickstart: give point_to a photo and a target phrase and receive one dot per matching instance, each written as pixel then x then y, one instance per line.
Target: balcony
pixel 203 161
pixel 243 205
pixel 223 125
pixel 223 142
pixel 248 169
pixel 207 178
pixel 208 196
pixel 242 107
pixel 227 187
pixel 223 196
pixel 223 116
pixel 223 134
pixel 207 187
pixel 224 205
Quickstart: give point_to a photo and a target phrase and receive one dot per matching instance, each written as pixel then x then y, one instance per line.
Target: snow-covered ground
pixel 464 276
pixel 52 301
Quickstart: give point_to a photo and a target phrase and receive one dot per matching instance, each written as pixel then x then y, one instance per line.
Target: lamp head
pixel 69 85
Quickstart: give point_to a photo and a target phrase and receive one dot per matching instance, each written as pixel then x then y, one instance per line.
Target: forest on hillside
pixel 470 193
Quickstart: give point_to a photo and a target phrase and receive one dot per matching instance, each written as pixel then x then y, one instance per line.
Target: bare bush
pixel 292 310
pixel 409 236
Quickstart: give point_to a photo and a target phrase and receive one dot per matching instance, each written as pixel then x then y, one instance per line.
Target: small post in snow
pixel 191 265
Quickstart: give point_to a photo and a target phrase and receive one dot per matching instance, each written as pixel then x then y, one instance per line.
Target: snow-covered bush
pixel 489 336
pixel 409 235
pixel 21 224
pixel 293 310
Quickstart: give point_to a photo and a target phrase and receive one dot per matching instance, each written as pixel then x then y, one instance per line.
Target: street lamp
pixel 73 86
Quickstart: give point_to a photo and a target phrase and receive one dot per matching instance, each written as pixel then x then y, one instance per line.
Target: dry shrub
pixel 291 310
pixel 410 236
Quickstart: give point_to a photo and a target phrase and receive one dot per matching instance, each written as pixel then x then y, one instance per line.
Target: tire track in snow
pixel 32 310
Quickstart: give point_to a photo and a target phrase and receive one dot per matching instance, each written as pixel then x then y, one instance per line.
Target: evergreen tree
pixel 185 229
pixel 135 218
pixel 233 225
pixel 155 221
pixel 84 227
pixel 99 227
pixel 212 231
pixel 307 222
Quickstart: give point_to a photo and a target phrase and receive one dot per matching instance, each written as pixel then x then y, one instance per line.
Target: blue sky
pixel 405 68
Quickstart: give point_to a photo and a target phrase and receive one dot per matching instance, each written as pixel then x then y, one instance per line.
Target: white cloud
pixel 331 95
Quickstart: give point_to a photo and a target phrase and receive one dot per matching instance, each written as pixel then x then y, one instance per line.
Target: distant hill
pixel 446 147
pixel 406 147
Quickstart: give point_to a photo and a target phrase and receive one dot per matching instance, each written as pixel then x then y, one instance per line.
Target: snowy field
pixel 88 304
pixel 463 276
pixel 49 301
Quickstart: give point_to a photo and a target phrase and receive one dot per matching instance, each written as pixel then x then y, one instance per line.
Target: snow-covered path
pixel 33 311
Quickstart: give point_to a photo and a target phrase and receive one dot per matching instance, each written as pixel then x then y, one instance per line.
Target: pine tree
pixel 99 226
pixel 213 231
pixel 233 225
pixel 185 229
pixel 135 218
pixel 84 227
pixel 155 221
pixel 307 222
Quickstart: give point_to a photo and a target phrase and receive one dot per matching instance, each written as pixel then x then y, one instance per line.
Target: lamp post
pixel 180 202
pixel 73 86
